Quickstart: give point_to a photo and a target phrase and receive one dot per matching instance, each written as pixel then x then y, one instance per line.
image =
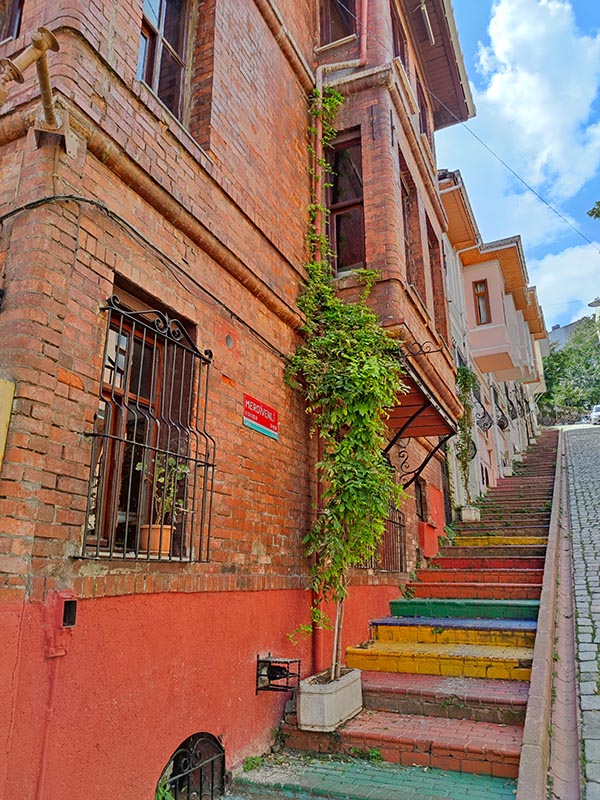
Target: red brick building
pixel 152 243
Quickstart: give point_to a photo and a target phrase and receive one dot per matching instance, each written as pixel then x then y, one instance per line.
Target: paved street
pixel 583 464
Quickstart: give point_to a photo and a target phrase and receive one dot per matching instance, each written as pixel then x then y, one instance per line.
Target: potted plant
pixel 348 370
pixel 166 473
pixel 465 383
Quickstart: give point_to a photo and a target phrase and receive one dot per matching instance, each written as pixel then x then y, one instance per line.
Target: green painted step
pixel 303 777
pixel 488 609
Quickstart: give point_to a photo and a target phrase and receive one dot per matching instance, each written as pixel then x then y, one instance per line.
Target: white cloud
pixel 566 282
pixel 540 79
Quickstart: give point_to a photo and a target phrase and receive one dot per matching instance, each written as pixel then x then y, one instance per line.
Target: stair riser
pixel 464 609
pixel 432 635
pixel 508 551
pixel 480 576
pixel 487 563
pixel 410 752
pixel 506 592
pixel 499 541
pixel 451 708
pixel 459 667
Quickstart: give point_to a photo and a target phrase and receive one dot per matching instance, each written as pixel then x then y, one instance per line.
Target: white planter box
pixel 470 514
pixel 324 706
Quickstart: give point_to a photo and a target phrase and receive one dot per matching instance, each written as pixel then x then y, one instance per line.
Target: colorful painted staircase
pixel 446 675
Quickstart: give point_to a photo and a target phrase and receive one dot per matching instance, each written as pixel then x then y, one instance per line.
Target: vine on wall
pixel 349 372
pixel 465 383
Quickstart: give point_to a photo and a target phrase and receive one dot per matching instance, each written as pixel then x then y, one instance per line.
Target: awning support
pixel 416 472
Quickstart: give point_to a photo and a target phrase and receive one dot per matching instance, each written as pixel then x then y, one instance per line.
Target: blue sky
pixel 534 67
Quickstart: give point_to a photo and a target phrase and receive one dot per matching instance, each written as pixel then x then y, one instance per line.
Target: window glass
pixel 161 51
pixel 338 20
pixel 347 168
pixel 346 220
pixel 350 239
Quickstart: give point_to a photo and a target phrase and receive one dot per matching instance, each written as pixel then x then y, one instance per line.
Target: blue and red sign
pixel 261 417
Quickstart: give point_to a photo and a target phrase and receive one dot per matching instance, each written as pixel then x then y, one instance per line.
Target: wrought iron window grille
pixel 196 769
pixel 153 461
pixel 390 555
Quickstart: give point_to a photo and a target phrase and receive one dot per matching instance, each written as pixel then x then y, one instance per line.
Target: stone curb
pixel 535 752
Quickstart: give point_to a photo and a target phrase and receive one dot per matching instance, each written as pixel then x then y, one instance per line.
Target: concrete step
pixel 472 574
pixel 510 633
pixel 486 562
pixel 306 775
pixel 453 744
pixel 465 609
pixel 496 591
pixel 495 551
pixel 499 541
pixel 464 660
pixel 500 701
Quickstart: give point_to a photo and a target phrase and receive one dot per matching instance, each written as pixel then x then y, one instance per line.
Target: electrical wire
pixel 172 266
pixel 484 144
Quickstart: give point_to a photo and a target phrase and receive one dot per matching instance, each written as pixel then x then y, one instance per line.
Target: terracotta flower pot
pixel 150 539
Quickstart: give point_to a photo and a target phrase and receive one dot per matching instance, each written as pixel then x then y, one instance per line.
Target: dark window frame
pixel 478 295
pixel 337 20
pixel 11 26
pixel 399 38
pixel 340 208
pixel 156 48
pixel 150 428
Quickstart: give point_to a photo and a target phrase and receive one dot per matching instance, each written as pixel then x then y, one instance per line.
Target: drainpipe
pixel 12 70
pixel 317 633
pixel 321 70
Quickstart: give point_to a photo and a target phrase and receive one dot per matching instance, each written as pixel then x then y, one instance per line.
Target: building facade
pixel 498 332
pixel 157 470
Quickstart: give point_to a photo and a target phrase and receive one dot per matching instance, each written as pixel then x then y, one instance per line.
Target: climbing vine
pixel 348 370
pixel 465 383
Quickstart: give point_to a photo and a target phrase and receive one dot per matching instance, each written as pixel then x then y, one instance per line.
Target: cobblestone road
pixel 583 465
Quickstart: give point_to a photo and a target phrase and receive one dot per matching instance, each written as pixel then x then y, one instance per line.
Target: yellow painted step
pixel 429 634
pixel 484 541
pixel 458 660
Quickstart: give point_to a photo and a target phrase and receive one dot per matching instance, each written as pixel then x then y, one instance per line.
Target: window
pixel 346 218
pixel 421 500
pixel 161 62
pixel 398 37
pixel 482 302
pixel 411 230
pixel 424 126
pixel 10 19
pixel 152 459
pixel 338 20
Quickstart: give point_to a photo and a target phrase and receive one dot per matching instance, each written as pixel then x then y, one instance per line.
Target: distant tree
pixel 595 211
pixel 572 373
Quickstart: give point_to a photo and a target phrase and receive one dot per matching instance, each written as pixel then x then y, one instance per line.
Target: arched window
pixel 196 769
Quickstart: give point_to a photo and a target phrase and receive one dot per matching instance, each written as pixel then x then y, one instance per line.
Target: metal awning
pixel 418 414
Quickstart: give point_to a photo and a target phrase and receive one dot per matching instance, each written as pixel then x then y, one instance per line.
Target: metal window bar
pixel 151 482
pixel 391 553
pixel 196 770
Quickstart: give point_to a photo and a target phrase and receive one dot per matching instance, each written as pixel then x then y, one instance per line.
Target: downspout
pixel 321 70
pixel 317 633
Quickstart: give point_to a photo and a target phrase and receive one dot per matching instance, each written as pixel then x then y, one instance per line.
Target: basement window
pixel 152 458
pixel 161 58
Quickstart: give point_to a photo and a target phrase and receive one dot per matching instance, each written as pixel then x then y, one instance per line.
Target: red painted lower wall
pixel 140 674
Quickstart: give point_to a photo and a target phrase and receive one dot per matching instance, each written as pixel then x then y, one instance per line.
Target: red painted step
pixel 500 701
pixel 524 576
pixel 490 591
pixel 487 562
pixel 461 745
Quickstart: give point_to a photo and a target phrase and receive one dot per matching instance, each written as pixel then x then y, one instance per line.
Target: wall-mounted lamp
pixel 427 22
pixel 276 674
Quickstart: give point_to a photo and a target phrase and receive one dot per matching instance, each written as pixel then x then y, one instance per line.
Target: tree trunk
pixel 336 666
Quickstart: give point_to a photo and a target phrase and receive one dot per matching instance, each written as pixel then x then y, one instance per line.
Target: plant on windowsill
pixel 166 474
pixel 349 373
pixel 466 381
